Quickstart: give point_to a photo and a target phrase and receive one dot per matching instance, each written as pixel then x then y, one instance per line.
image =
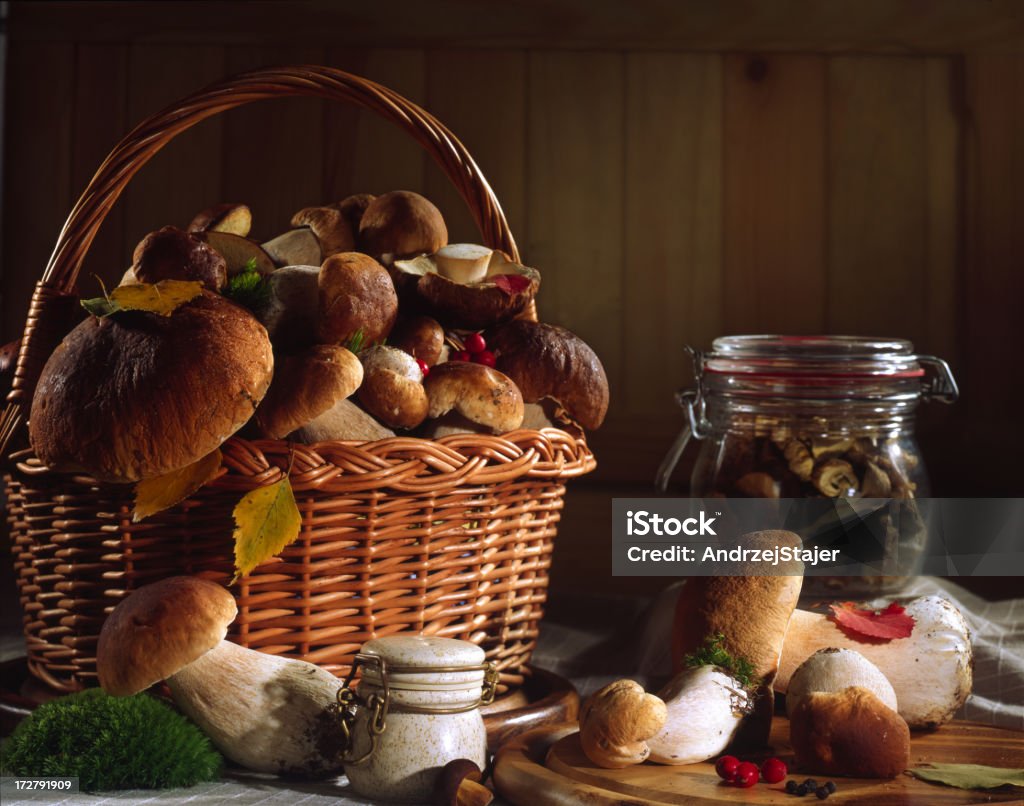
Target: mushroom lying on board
pixel 617 721
pixel 931 671
pixel 267 713
pixel 705 707
pixel 831 670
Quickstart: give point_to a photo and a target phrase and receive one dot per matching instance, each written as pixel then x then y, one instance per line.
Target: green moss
pixel 111 743
pixel 713 653
pixel 249 288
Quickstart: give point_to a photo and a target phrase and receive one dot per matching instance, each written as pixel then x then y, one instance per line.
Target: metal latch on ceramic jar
pixel 378 703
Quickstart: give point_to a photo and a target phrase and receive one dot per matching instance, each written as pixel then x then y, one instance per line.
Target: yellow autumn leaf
pixel 266 520
pixel 163 492
pixel 161 298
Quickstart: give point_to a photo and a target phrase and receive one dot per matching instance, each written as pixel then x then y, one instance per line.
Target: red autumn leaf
pixel 892 622
pixel 511 284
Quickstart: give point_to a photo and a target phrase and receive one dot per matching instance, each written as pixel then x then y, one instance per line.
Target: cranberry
pixel 746 774
pixel 486 357
pixel 726 767
pixel 462 355
pixel 475 343
pixel 424 367
pixel 773 770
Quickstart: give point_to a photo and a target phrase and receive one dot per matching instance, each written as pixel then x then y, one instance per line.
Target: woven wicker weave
pixel 447 537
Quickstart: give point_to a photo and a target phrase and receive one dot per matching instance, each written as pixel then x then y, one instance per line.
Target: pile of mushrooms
pixel 264 712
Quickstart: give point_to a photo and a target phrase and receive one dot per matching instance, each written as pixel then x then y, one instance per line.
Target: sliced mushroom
pixel 705 707
pixel 479 393
pixel 758 485
pixel 835 478
pixel 801 463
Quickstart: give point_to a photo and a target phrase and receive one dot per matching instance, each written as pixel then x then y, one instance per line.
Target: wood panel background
pixel 861 175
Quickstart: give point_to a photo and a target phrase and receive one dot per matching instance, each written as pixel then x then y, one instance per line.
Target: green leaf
pixel 249 288
pixel 969 776
pixel 266 520
pixel 713 653
pixel 101 306
pixel 355 344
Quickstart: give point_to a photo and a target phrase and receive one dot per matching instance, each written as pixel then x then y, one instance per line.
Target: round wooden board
pixel 569 778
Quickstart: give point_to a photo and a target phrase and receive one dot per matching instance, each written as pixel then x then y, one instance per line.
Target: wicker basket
pixel 447 537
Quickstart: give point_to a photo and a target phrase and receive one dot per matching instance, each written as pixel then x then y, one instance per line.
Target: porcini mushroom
pixel 421 337
pixel 290 312
pixel 297 247
pixel 343 420
pixel 392 389
pixel 751 613
pixel 330 227
pixel 460 783
pixel 353 207
pixel 136 395
pixel 356 294
pixel 478 393
pixel 233 218
pixel 849 732
pixel 267 713
pixel 831 670
pixel 547 361
pixel 444 288
pixel 171 254
pixel 704 707
pixel 401 224
pixel 305 386
pixel 238 252
pixel 931 671
pixel 617 721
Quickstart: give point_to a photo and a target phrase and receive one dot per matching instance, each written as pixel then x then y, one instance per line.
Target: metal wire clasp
pixel 690 401
pixel 378 703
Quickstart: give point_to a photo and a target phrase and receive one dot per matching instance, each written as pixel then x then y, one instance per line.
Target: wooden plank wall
pixel 667 197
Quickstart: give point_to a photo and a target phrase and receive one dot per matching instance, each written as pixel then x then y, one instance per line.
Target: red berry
pixel 485 357
pixel 726 767
pixel 461 355
pixel 773 770
pixel 475 343
pixel 424 367
pixel 746 774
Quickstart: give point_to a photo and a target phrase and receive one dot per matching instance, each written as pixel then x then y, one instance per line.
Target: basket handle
pixel 44 327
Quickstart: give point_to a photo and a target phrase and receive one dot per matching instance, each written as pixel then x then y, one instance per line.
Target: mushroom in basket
pixel 267 713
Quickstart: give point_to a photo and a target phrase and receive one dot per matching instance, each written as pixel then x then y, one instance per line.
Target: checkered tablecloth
pixel 595 641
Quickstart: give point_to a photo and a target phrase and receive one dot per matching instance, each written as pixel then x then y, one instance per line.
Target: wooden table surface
pixel 548 768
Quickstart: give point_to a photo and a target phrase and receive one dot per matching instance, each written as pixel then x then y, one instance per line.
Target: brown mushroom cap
pixel 136 395
pixel 421 337
pixel 355 293
pixel 401 224
pixel 305 386
pixel 230 217
pixel 392 389
pixel 330 227
pixel 616 722
pixel 353 207
pixel 849 732
pixel 172 254
pixel 159 629
pixel 477 392
pixel 550 361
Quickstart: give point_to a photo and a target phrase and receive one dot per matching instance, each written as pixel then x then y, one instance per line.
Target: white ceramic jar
pixel 416 708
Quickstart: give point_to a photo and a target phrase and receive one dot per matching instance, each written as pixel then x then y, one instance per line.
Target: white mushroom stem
pixel 267 713
pixel 931 671
pixel 705 708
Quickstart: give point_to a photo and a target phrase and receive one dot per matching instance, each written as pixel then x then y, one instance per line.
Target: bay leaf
pixel 969 776
pixel 266 520
pixel 163 492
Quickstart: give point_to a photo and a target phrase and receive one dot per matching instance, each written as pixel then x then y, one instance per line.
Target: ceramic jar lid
pixel 415 661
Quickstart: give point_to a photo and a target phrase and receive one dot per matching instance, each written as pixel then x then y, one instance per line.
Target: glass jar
pixel 814 416
pixel 416 708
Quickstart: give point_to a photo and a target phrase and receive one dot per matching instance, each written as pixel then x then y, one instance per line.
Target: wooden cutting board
pixel 546 767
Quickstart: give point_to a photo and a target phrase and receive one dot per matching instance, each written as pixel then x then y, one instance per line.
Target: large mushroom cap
pixel 307 385
pixel 547 361
pixel 401 224
pixel 159 629
pixel 356 294
pixel 136 395
pixel 172 254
